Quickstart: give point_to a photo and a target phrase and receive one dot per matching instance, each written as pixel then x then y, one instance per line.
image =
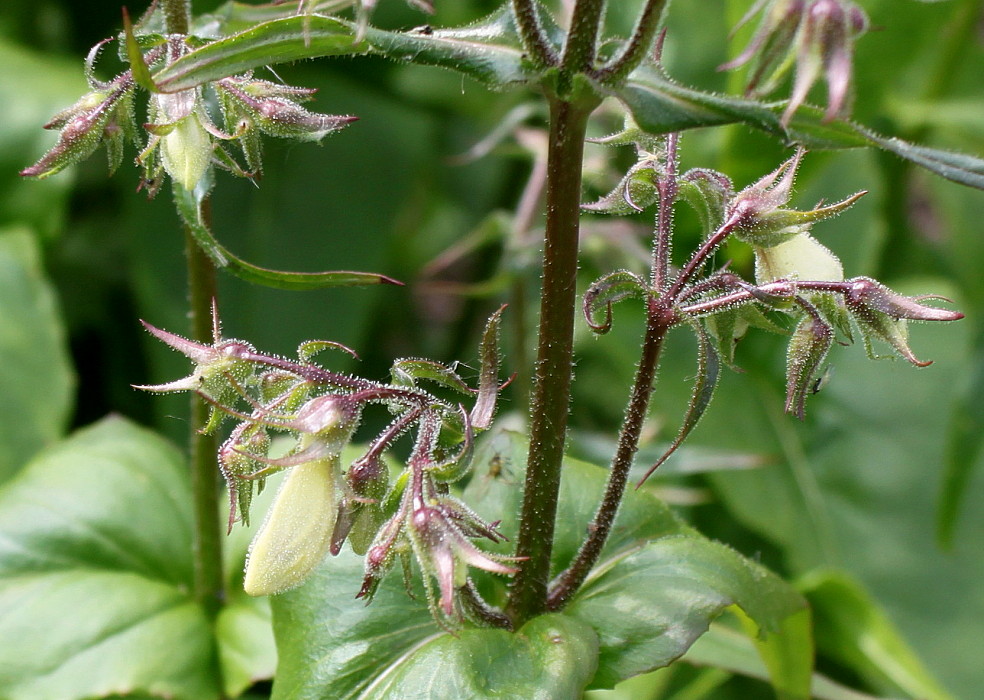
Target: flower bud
pixel 817 35
pixel 761 218
pixel 808 347
pixel 249 105
pixel 103 116
pixel 881 313
pixel 296 534
pixel 186 147
pixel 214 366
pixel 826 44
pixel 444 551
pixel 329 419
pixel 237 459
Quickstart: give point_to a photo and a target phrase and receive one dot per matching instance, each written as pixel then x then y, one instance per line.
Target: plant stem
pixel 534 40
pixel 668 189
pixel 660 318
pixel 207 536
pixel 177 15
pixel 639 46
pixel 582 39
pixel 207 543
pixel 552 380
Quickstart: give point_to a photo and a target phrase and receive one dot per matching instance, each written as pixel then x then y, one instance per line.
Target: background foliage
pixel 848 502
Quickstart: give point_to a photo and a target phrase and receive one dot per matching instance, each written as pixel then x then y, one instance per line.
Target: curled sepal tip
pixel 609 290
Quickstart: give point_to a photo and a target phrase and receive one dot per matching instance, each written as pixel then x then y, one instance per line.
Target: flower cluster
pixel 322 502
pixel 817 35
pixel 796 277
pixel 184 139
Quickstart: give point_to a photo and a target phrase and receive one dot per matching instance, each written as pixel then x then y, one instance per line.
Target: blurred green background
pixel 886 455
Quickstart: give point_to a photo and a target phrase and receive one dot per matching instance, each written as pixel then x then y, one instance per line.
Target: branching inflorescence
pixel 321 502
pixel 410 513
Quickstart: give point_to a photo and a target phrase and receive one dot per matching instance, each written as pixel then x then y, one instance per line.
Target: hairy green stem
pixel 552 381
pixel 639 46
pixel 177 15
pixel 668 190
pixel 582 39
pixel 207 538
pixel 660 318
pixel 534 40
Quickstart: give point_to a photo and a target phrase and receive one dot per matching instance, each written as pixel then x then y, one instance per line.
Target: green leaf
pixel 854 630
pixel 328 639
pixel 233 17
pixel 495 493
pixel 95 572
pixel 649 606
pixel 36 379
pixel 408 371
pixel 661 106
pixel 277 41
pixel 552 656
pixel 138 67
pixel 672 580
pixel 488 51
pixel 332 645
pixel 96 578
pixel 190 211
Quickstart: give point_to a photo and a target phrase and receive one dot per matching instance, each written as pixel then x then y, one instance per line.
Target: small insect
pixel 822 381
pixel 500 471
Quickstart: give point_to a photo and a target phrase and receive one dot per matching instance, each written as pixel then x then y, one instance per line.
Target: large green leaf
pixel 332 645
pixel 36 379
pixel 649 607
pixel 658 591
pixel 552 656
pixel 726 648
pixel 328 639
pixel 488 51
pixel 96 575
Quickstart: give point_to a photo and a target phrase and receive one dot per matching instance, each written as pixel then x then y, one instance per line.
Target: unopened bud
pixel 883 314
pixel 296 534
pixel 808 347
